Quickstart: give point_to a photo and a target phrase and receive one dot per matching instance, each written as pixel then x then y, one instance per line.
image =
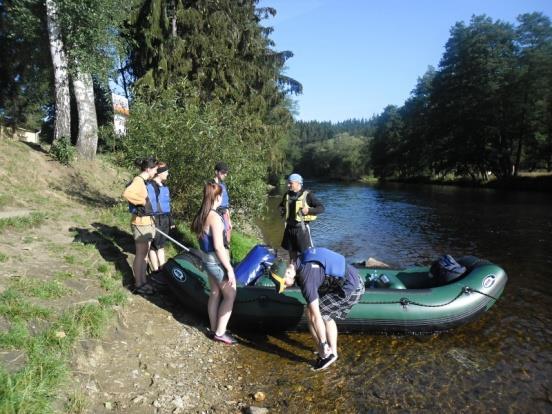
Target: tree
pixel 62 123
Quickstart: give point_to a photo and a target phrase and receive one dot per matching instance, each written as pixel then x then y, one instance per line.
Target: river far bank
pixel 525 181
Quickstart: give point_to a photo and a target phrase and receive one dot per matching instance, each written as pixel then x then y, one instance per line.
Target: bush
pixel 63 151
pixel 191 137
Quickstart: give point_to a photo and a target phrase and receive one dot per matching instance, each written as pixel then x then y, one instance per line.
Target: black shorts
pixel 162 223
pixel 297 238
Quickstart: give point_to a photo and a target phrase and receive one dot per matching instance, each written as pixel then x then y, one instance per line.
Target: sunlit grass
pixel 21 223
pixel 44 289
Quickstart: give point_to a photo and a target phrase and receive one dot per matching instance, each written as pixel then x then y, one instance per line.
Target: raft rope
pixel 404 302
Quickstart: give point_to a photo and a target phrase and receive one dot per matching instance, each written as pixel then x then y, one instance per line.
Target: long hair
pixel 211 191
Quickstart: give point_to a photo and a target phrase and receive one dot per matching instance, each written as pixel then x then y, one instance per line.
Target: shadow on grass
pixel 80 190
pixel 112 244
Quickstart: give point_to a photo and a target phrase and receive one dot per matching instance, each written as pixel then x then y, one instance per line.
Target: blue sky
pixel 354 57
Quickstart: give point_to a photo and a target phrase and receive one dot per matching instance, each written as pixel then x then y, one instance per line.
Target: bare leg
pixel 161 257
pixel 140 263
pixel 331 335
pixel 225 308
pixel 154 260
pixel 213 303
pixel 313 331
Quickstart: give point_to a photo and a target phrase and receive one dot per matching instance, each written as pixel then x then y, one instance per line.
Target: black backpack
pixel 445 269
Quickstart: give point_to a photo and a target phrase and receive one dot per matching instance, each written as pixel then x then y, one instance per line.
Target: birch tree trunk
pixel 62 125
pixel 87 141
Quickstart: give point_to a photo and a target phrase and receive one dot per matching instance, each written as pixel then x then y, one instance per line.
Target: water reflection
pixel 500 363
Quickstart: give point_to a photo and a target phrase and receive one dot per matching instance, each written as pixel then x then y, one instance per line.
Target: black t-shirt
pixel 312 275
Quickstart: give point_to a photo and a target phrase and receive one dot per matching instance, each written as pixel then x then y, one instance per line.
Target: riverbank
pixel 526 181
pixel 73 339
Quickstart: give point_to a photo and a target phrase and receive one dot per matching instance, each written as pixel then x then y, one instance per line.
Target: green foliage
pixel 487 107
pixel 26 86
pixel 63 151
pixel 339 158
pixel 3 257
pixel 223 52
pixel 191 137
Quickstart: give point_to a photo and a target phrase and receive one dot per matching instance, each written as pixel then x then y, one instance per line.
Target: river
pixel 499 363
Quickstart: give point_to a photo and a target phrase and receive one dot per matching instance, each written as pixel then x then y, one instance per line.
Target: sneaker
pixel 323 363
pixel 225 338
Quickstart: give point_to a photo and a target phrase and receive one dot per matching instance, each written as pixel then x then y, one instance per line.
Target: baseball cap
pixel 277 274
pixel 296 177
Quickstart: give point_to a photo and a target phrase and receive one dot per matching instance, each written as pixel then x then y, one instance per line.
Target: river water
pixel 499 363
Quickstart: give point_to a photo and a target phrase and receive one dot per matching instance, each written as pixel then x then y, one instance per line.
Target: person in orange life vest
pixel 142 224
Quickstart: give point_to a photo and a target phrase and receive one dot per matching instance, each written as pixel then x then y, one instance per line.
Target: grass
pixel 3 257
pixel 22 223
pixel 241 245
pixel 50 289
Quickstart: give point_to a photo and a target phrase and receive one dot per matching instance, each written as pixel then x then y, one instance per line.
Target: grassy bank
pixel 65 259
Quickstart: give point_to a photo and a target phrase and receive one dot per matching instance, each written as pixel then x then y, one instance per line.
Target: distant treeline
pixel 486 109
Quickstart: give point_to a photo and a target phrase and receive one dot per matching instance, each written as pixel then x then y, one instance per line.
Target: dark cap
pixel 221 166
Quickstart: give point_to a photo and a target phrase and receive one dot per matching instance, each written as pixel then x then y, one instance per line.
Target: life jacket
pixel 206 242
pixel 164 199
pixel 146 209
pixel 153 197
pixel 334 264
pixel 300 202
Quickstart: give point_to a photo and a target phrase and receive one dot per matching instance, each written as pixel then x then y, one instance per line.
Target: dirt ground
pixel 153 357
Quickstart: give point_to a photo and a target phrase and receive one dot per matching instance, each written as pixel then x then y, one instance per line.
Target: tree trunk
pixel 87 141
pixel 62 126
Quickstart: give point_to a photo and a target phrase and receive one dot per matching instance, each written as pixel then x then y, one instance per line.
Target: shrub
pixel 63 151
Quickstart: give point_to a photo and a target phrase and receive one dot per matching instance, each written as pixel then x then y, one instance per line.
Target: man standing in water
pixel 330 287
pixel 298 207
pixel 221 172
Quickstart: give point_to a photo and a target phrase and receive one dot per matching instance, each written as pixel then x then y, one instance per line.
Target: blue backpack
pixel 445 269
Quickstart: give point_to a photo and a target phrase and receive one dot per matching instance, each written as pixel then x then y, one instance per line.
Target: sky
pixel 355 57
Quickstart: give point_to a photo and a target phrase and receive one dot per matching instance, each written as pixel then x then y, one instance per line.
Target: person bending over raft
pixel 143 228
pixel 330 287
pixel 208 225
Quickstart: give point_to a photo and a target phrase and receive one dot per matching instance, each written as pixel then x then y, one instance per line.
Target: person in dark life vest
pixel 208 225
pixel 221 172
pixel 159 195
pixel 298 208
pixel 142 224
pixel 330 288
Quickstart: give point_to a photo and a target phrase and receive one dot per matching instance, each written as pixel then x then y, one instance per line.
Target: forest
pixel 485 111
pixel 205 82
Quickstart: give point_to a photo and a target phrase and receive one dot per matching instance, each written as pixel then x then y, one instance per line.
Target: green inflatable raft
pixel 405 301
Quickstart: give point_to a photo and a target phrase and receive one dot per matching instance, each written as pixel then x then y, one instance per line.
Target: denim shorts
pixel 215 269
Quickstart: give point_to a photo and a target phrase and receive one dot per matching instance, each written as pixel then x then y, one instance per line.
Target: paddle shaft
pixel 173 240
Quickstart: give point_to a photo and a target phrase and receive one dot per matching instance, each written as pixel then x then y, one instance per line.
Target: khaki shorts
pixel 143 233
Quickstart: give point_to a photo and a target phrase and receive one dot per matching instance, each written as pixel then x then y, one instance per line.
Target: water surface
pixel 499 363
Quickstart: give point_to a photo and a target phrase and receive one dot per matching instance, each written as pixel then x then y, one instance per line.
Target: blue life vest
pixel 164 200
pixel 152 195
pixel 333 263
pixel 225 202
